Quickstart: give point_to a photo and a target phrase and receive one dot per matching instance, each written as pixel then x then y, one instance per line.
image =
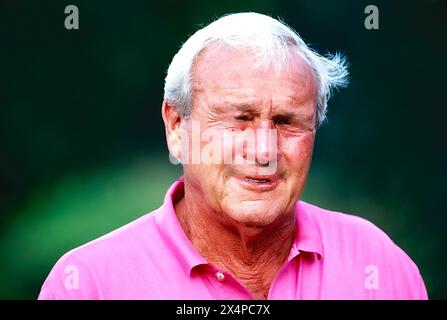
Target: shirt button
pixel 220 276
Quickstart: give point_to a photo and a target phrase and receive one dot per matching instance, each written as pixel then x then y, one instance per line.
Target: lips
pixel 258 183
pixel 256 180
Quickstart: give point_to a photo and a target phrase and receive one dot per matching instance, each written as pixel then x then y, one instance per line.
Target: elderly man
pixel 244 97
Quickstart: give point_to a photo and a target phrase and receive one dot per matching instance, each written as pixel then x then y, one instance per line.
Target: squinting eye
pixel 282 120
pixel 243 118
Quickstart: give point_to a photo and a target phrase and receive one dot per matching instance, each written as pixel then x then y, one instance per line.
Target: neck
pixel 252 255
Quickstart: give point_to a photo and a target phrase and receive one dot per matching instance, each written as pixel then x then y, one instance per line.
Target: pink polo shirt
pixel 334 256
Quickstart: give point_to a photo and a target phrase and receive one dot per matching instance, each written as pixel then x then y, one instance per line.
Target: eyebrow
pixel 244 106
pixel 282 112
pixel 249 107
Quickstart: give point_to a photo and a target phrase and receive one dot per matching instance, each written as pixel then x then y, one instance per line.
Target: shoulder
pixel 354 243
pixel 342 227
pixel 122 240
pixel 80 273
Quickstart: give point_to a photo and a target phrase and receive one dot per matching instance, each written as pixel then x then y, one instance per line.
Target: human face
pixel 230 94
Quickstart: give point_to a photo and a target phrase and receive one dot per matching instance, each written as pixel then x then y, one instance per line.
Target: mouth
pixel 258 183
pixel 256 180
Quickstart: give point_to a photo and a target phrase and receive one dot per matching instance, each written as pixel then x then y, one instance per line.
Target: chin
pixel 252 217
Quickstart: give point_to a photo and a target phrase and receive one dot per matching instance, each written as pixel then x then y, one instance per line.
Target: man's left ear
pixel 172 120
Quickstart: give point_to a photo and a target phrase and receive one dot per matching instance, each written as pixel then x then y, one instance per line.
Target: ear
pixel 172 120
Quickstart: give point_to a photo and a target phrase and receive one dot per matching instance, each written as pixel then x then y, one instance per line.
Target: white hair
pixel 270 39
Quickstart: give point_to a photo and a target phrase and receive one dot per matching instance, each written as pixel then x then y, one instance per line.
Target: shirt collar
pixel 172 232
pixel 307 237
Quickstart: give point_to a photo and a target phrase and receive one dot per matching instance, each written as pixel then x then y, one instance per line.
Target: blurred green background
pixel 82 147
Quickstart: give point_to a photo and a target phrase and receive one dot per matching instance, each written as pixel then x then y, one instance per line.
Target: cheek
pixel 297 151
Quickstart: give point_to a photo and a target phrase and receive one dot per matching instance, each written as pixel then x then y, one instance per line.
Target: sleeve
pixel 70 279
pixel 410 284
pixel 422 291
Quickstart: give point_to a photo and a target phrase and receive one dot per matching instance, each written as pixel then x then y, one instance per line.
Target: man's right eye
pixel 243 118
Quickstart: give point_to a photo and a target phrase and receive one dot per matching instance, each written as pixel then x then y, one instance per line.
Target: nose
pixel 264 147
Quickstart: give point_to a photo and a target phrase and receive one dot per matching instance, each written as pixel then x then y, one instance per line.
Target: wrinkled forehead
pixel 219 61
pixel 236 71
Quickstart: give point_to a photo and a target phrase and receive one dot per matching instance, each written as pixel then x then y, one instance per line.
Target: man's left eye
pixel 281 120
